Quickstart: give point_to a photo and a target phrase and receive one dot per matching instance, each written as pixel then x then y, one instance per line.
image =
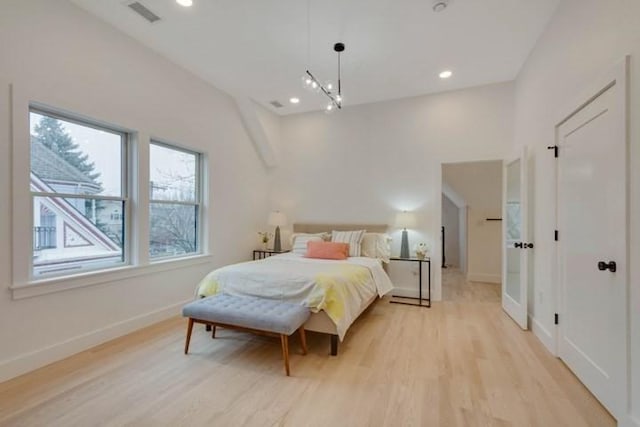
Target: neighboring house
pixel 65 230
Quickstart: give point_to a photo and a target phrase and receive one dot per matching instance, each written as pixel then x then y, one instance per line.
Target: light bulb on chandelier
pixel 306 81
pixel 330 108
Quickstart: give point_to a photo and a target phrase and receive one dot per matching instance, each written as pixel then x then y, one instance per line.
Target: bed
pixel 337 292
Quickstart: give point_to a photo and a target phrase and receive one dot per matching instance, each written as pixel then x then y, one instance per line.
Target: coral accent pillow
pixel 353 238
pixel 327 250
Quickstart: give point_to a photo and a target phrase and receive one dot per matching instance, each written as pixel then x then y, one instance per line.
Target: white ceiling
pixel 394 48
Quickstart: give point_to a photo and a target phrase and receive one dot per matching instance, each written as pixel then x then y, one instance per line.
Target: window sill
pixel 59 284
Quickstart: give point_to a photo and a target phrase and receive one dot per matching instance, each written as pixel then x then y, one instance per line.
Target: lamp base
pixel 404 247
pixel 277 247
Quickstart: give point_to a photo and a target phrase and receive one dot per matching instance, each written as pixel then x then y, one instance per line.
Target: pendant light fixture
pixel 310 82
pixel 335 95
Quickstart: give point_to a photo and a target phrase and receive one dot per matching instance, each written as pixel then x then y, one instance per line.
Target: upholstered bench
pixel 253 314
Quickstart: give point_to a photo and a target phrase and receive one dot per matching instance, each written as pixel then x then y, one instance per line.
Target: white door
pixel 516 244
pixel 592 224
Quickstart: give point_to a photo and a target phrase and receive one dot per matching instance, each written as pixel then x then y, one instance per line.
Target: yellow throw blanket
pixel 340 288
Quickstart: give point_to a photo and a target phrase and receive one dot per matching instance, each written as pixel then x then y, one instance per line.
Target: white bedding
pixel 340 288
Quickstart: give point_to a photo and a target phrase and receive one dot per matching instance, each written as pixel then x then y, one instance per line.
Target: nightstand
pixel 420 299
pixel 266 253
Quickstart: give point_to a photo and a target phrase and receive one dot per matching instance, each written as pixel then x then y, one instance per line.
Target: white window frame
pixel 22 98
pixel 125 136
pixel 197 203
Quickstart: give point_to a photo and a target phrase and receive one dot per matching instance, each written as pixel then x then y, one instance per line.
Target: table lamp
pixel 277 219
pixel 405 220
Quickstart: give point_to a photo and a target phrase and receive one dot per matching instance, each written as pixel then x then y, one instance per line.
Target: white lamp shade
pixel 277 219
pixel 405 219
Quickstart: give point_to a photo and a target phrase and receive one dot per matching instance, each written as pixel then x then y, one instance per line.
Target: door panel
pixel 593 226
pixel 515 236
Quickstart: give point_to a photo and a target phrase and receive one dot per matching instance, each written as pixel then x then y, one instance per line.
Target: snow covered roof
pixel 49 166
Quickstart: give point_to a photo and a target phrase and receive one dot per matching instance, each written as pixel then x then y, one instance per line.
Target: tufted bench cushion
pixel 249 312
pixel 258 315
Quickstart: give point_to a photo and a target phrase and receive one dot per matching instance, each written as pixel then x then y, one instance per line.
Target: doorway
pixel 471 230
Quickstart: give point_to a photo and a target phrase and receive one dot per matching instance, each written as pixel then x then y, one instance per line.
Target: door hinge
pixel 555 150
pixel 555 319
pixel 555 235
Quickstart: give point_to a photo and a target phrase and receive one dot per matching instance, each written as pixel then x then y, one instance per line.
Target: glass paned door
pixel 515 240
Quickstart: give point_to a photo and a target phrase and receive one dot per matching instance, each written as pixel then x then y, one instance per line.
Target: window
pixel 77 183
pixel 174 207
pixel 79 214
pixel 513 221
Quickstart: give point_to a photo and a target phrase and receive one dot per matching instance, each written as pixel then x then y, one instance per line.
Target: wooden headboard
pixel 319 228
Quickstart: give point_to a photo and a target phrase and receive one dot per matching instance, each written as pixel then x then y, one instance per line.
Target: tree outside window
pixel 174 201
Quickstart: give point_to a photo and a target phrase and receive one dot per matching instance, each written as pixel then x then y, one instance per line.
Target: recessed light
pixel 446 74
pixel 294 100
pixel 185 3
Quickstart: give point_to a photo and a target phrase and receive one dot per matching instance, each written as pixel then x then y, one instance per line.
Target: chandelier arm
pixel 324 90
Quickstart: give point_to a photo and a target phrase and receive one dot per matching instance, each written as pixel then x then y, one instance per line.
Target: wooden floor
pixel 455 288
pixel 460 363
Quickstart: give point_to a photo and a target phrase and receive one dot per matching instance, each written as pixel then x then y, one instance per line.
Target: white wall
pixel 585 39
pixel 69 59
pixel 451 224
pixel 480 185
pixel 365 163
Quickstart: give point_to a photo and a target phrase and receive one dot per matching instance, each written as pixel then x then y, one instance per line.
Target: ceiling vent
pixel 440 5
pixel 276 104
pixel 143 11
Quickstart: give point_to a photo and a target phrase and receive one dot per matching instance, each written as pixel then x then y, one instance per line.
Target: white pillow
pixel 324 236
pixel 353 238
pixel 376 245
pixel 300 243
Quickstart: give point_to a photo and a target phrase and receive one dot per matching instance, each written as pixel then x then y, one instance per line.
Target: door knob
pixel 517 245
pixel 611 266
pixel 528 245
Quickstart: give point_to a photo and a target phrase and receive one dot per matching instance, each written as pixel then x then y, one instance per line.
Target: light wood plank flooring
pixel 460 363
pixel 456 288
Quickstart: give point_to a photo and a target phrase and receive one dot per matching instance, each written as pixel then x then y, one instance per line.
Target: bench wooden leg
pixel 213 331
pixel 189 329
pixel 303 340
pixel 284 340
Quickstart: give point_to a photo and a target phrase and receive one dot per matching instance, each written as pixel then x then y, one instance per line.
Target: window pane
pixel 513 221
pixel 75 234
pixel 70 158
pixel 173 229
pixel 172 174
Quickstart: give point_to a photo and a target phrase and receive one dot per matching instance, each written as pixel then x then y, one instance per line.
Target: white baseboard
pixel 543 334
pixel 39 358
pixel 487 278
